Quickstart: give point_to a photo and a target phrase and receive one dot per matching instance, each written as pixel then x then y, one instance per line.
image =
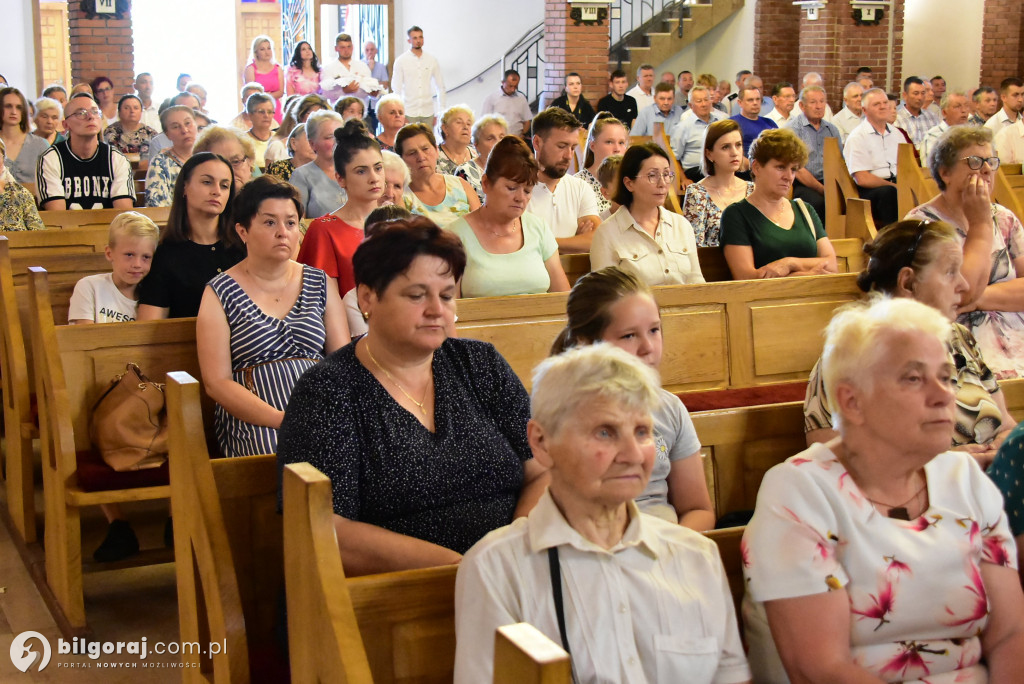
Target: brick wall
pixel 776 31
pixel 568 48
pixel 101 47
pixel 1002 41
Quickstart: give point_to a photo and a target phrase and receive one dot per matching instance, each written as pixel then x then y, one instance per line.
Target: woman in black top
pixel 572 99
pixel 198 242
pixel 423 435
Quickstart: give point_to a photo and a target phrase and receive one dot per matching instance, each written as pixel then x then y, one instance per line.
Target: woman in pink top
pixel 303 71
pixel 264 69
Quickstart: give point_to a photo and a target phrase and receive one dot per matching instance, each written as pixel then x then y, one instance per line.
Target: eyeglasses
pixel 238 161
pixel 974 162
pixel 85 114
pixel 104 90
pixel 264 112
pixel 653 177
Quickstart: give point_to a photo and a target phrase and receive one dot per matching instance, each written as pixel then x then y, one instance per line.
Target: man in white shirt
pixel 643 91
pixel 510 103
pixel 850 116
pixel 955 111
pixel 1011 93
pixel 871 152
pixel 1009 143
pixel 567 204
pixel 144 88
pixel 784 99
pixel 345 76
pixel 912 116
pixel 413 72
pixel 688 137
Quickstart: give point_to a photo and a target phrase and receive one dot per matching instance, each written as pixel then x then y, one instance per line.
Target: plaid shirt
pixel 917 127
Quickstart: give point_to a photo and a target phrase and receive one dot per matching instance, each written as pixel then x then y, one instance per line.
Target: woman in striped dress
pixel 263 322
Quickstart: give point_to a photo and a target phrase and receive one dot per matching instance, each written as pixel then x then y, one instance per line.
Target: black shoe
pixel 169 533
pixel 120 543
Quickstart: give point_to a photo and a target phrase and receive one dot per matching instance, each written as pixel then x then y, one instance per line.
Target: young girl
pixel 613 306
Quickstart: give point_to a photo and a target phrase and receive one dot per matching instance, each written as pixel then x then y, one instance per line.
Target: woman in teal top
pixel 440 198
pixel 768 235
pixel 509 252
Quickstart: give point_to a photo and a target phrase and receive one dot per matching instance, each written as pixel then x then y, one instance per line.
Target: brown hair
pixel 252 195
pixel 905 244
pixel 4 92
pixel 390 252
pixel 589 305
pixel 778 144
pixel 178 228
pixel 411 131
pixel 511 158
pixel 716 131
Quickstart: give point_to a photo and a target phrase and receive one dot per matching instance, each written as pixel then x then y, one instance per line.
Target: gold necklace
pixel 384 370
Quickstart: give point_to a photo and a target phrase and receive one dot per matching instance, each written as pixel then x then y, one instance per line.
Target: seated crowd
pixel 323 250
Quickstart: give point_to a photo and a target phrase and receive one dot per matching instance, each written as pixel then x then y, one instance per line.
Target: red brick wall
pixel 776 50
pixel 101 47
pixel 1002 41
pixel 568 48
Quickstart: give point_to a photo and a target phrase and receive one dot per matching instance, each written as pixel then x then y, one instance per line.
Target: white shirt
pixel 846 121
pixel 411 81
pixel 335 77
pixel 562 209
pixel 776 116
pixel 868 150
pixel 151 117
pixel 1009 143
pixel 642 98
pixel 654 608
pixel 668 258
pixel 97 299
pixel 688 137
pixel 1000 120
pixel 515 108
pixel 930 138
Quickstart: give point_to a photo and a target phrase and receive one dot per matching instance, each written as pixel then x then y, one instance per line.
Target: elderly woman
pixel 260 107
pixel 572 100
pixel 350 107
pixel 231 144
pixel 642 236
pixel 509 251
pixel 128 134
pixel 264 69
pixel 963 165
pixel 487 131
pixel 299 153
pixel 198 242
pixel 396 179
pixel 49 120
pixel 264 322
pixel 456 148
pixel 23 148
pixel 17 206
pixel 391 115
pixel 613 306
pixel 881 555
pixel 316 180
pixel 422 434
pixel 178 122
pixel 630 596
pixel 439 197
pixel 103 90
pixel 295 113
pixel 720 188
pixel 303 76
pixel 607 137
pixel 768 235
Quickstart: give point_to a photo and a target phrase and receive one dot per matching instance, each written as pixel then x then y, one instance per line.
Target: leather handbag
pixel 128 425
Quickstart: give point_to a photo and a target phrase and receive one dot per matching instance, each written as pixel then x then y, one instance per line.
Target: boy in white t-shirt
pixel 110 298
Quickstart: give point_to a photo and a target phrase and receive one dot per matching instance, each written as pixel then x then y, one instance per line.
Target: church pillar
pixel 101 45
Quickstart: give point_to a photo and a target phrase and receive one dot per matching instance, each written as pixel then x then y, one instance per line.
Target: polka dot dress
pixel 1006 471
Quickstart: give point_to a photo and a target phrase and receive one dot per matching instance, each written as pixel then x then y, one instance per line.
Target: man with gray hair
pixel 643 91
pixel 871 151
pixel 688 136
pixel 814 78
pixel 242 121
pixel 811 127
pixel 379 71
pixel 954 109
pixel 850 116
pixel 986 103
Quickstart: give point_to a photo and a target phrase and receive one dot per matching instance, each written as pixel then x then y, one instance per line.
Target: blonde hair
pixel 392 162
pixel 214 134
pixel 256 42
pixel 450 113
pixel 132 224
pixel 46 104
pixel 563 383
pixel 854 339
pixel 488 120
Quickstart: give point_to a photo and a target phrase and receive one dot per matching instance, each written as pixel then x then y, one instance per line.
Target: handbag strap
pixel 807 217
pixel 556 587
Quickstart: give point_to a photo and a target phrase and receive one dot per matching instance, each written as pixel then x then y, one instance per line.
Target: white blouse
pixel 668 258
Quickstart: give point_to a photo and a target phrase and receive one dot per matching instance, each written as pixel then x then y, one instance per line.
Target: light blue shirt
pixel 644 124
pixel 320 193
pixel 814 138
pixel 688 137
pixel 157 144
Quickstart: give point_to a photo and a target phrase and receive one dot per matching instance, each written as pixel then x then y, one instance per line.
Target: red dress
pixel 329 245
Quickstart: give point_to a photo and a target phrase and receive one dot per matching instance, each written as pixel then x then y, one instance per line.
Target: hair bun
pixel 351 129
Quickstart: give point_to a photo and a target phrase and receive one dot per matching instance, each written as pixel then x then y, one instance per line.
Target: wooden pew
pixel 839 188
pixel 914 184
pixel 1009 191
pixel 74 365
pixel 575 266
pixel 717 335
pixel 525 655
pixel 728 541
pixel 79 240
pixel 227 547
pixel 85 218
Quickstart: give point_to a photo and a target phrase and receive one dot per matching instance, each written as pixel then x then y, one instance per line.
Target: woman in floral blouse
pixel 128 134
pixel 303 76
pixel 17 206
pixel 705 201
pixel 179 124
pixel 881 555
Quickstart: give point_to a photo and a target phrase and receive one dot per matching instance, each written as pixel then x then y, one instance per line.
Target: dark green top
pixel 744 224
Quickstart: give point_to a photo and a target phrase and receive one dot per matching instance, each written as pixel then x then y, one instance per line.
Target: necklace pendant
pixel 899 513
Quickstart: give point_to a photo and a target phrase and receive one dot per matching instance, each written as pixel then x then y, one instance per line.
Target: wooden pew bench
pixel 97 218
pixel 74 365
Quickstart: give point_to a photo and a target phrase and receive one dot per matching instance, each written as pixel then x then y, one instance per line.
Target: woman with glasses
pixel 236 149
pixel 260 107
pixel 642 237
pixel 103 91
pixel 963 165
pixel 768 235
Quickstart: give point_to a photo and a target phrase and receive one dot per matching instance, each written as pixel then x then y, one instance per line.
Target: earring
pixel 366 315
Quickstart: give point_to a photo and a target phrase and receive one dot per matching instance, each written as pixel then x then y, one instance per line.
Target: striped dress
pixel 268 355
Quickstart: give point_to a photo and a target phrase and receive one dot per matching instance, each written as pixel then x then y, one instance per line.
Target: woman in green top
pixel 768 235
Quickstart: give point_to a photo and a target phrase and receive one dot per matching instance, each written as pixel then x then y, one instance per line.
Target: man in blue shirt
pixel 811 127
pixel 750 120
pixel 688 138
pixel 664 110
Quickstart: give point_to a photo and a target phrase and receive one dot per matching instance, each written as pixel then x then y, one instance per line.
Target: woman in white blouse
pixel 642 236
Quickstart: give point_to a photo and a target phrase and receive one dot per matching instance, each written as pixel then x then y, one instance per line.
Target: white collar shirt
pixel 930 138
pixel 1009 143
pixel 776 116
pixel 868 150
pixel 642 99
pixel 151 117
pixel 688 137
pixel 411 79
pixel 654 608
pixel 562 209
pixel 515 108
pixel 335 77
pixel 846 121
pixel 1000 120
pixel 668 258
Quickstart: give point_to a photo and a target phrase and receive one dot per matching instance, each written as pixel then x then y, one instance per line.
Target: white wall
pixel 17 53
pixel 931 46
pixel 467 38
pixel 722 51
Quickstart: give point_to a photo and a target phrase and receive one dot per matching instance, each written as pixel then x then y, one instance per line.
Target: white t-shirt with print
pixel 97 299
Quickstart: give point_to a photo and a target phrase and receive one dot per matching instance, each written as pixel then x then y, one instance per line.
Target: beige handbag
pixel 129 422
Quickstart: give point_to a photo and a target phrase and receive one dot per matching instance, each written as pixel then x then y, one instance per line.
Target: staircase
pixel 649 30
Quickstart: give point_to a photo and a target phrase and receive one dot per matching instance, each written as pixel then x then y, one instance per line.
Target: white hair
pixel 395 163
pixel 317 119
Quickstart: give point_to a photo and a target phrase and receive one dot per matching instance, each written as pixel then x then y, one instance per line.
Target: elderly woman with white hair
pixel 487 131
pixel 881 555
pixel 456 148
pixel 391 115
pixel 316 180
pixel 631 597
pixel 396 178
pixel 48 120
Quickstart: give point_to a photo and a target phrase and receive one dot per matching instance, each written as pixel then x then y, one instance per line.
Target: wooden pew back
pixel 839 187
pixel 914 184
pixel 525 655
pixel 1009 190
pixel 97 218
pixel 43 243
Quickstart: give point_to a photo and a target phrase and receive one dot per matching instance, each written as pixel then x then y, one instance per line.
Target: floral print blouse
pixel 472 174
pixel 916 597
pixel 603 204
pixel 454 205
pixel 160 179
pixel 18 208
pixel 704 215
pixel 298 84
pixel 134 142
pixel 282 168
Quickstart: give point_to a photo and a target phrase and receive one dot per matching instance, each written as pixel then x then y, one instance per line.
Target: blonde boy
pixel 110 297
